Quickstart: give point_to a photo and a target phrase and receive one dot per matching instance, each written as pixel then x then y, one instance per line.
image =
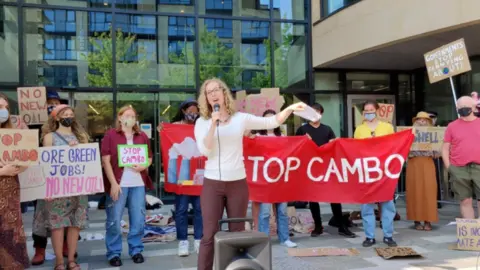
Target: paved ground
pixel 432 245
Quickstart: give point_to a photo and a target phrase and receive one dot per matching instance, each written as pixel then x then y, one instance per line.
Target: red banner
pixel 284 169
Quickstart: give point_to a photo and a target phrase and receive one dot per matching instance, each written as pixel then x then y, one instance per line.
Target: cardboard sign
pixel 397 252
pixel 17 122
pixel 32 103
pixel 19 146
pixel 385 112
pixel 318 252
pixel 32 184
pixel 134 154
pixel 427 138
pixel 67 171
pixel 257 104
pixel 447 61
pixel 468 234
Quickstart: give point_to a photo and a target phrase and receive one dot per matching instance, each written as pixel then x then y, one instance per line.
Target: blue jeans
pixel 181 216
pixel 387 216
pixel 134 199
pixel 282 220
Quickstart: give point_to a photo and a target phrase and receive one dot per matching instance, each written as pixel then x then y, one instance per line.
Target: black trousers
pixel 316 215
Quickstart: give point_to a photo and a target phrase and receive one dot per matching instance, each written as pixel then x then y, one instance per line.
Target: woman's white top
pixel 225 159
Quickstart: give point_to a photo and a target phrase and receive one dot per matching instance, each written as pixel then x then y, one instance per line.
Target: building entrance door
pixel 354 108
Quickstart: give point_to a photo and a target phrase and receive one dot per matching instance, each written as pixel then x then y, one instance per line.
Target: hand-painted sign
pixel 426 138
pixel 32 103
pixel 132 154
pixel 386 112
pixel 257 104
pixel 447 61
pixel 67 171
pixel 19 146
pixel 468 234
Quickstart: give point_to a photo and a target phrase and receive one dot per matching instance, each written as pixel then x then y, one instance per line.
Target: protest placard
pixel 72 171
pixel 447 61
pixel 134 154
pixel 385 112
pixel 32 184
pixel 19 146
pixel 32 103
pixel 426 138
pixel 257 104
pixel 468 234
pixel 17 122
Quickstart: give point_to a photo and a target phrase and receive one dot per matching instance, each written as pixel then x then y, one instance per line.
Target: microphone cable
pixel 218 140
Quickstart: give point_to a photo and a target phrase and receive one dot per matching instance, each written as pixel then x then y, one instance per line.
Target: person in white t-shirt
pixel 280 208
pixel 219 135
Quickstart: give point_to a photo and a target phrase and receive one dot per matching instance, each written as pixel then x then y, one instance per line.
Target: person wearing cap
pixel 68 212
pixel 322 134
pixel 40 242
pixel 187 114
pixel 421 182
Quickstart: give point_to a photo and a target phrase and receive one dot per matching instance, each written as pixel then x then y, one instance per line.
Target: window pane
pixel 327 81
pixel 94 111
pixel 368 81
pixel 244 8
pixel 176 58
pixel 290 55
pixel 236 51
pixel 9 45
pixel 438 98
pixel 333 111
pixel 140 5
pixel 289 9
pixel 69 3
pixel 72 48
pixel 136 49
pixel 176 6
pixel 330 6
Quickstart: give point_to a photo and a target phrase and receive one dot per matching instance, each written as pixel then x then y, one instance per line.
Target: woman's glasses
pixel 211 92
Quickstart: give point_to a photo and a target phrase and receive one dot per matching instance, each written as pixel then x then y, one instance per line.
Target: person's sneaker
pixel 289 244
pixel 183 248
pixel 197 246
pixel 389 241
pixel 369 242
pixel 138 258
pixel 316 232
pixel 346 232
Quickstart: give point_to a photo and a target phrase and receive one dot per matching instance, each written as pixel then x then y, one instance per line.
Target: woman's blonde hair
pixel 52 125
pixel 204 106
pixel 118 124
pixel 8 123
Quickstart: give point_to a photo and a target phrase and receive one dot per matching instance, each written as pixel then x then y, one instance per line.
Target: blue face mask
pixel 4 115
pixel 370 116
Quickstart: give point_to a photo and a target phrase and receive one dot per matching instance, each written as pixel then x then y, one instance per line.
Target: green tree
pixel 100 73
pixel 215 60
pixel 280 60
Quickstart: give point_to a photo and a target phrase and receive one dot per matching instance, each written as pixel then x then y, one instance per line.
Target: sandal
pixel 59 267
pixel 418 226
pixel 427 226
pixel 73 266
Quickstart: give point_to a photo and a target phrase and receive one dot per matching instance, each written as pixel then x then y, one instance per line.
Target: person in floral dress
pixel 13 248
pixel 67 212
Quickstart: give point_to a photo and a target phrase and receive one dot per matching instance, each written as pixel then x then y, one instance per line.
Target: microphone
pixel 216 108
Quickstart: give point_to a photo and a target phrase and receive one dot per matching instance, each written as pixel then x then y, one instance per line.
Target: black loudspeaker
pixel 242 250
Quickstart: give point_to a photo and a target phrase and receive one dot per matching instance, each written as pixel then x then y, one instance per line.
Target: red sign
pixel 343 171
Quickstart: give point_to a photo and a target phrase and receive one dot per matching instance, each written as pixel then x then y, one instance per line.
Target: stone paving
pixel 162 256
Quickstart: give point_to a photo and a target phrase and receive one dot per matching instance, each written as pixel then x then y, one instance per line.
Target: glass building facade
pixel 153 54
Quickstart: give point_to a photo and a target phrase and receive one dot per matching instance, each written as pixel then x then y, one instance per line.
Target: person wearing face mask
pixel 322 134
pixel 460 154
pixel 125 187
pixel 13 247
pixel 372 127
pixel 187 115
pixel 68 212
pixel 40 242
pixel 421 182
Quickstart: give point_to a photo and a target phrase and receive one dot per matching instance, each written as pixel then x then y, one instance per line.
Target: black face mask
pixel 464 112
pixel 477 114
pixel 66 122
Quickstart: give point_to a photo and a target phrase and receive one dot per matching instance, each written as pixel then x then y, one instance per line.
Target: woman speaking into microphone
pixel 219 134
